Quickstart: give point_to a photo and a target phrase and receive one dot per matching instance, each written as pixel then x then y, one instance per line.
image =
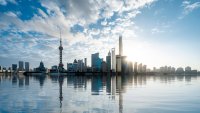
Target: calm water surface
pixel 100 94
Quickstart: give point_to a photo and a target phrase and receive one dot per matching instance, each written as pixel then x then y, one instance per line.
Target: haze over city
pixel 155 32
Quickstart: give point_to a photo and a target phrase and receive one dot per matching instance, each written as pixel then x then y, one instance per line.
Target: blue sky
pixel 155 32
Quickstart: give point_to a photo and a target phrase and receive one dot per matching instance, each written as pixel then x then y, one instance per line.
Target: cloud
pixel 156 30
pixel 188 7
pixel 37 38
pixel 5 2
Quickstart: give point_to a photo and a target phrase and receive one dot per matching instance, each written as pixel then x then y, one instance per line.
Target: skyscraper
pixel 120 46
pixel 135 68
pixel 108 61
pixel 21 65
pixel 94 58
pixel 119 57
pixel 118 63
pixel 14 67
pixel 188 70
pixel 140 68
pixel 96 62
pixel 144 68
pixel 26 66
pixel 85 62
pixel 60 49
pixel 113 60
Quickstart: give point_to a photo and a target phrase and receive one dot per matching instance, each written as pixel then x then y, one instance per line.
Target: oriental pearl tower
pixel 60 50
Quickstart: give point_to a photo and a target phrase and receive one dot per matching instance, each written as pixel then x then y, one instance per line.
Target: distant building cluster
pixel 21 67
pixel 112 63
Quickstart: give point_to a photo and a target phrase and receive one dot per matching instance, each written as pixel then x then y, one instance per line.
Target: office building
pixel 96 62
pixel 140 68
pixel 113 60
pixel 41 68
pixel 124 64
pixel 14 67
pixel 144 68
pixel 21 66
pixel 80 66
pixel 180 70
pixel 85 61
pixel 187 70
pixel 94 58
pixel 118 63
pixel 26 66
pixel 104 66
pixel 120 46
pixel 135 68
pixel 108 61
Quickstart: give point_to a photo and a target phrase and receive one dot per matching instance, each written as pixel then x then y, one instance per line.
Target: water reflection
pixel 116 93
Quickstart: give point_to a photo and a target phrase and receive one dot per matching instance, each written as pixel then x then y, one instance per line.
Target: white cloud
pixel 4 2
pixel 66 14
pixel 156 30
pixel 188 7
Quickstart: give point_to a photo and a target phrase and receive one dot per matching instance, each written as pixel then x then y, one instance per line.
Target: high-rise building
pixel 118 63
pixel 104 66
pixel 113 60
pixel 108 61
pixel 188 70
pixel 21 66
pixel 26 66
pixel 96 62
pixel 1 68
pixel 70 67
pixel 60 67
pixel 41 68
pixel 180 70
pixel 120 46
pixel 80 65
pixel 144 68
pixel 14 67
pixel 124 64
pixel 135 68
pixel 75 65
pixel 94 58
pixel 85 62
pixel 140 68
pixel 85 65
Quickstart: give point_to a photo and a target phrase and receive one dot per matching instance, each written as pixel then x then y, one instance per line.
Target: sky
pixel 155 32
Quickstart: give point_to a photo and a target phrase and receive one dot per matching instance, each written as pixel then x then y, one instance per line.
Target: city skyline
pixel 155 33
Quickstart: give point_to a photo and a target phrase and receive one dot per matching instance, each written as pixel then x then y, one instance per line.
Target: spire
pixel 60 37
pixel 109 54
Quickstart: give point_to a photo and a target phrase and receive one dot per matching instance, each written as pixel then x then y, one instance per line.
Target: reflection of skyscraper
pixel 119 87
pixel 21 65
pixel 26 66
pixel 108 61
pixel 113 60
pixel 113 86
pixel 60 90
